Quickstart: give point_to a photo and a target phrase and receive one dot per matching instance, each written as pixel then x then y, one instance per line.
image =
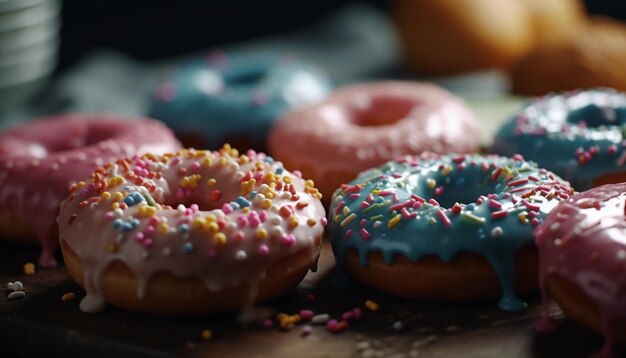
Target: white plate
pixel 12 20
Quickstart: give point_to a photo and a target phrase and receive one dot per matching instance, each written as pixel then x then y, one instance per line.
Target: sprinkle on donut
pixel 219 216
pixel 440 205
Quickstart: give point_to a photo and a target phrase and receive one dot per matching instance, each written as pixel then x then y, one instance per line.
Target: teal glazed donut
pixel 431 205
pixel 224 97
pixel 577 135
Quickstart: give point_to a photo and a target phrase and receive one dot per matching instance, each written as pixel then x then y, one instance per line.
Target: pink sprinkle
pixel 262 215
pixel 612 149
pixel 140 236
pixel 287 240
pixel 530 206
pixel 499 214
pixel 517 157
pixel 324 221
pixel 339 207
pixel 407 214
pixel 396 175
pixel 149 229
pixel 417 205
pixel 154 220
pixel 364 204
pixel 297 173
pixel 347 316
pixel 268 323
pixel 370 198
pixel 212 253
pixel 433 202
pixel 495 204
pixel 147 242
pixel 365 234
pixel 195 166
pixel 385 193
pixel 444 218
pixel 180 194
pixel 534 222
pixel 533 178
pixel 363 222
pixel 242 221
pixel 358 313
pixel 456 208
pixel 227 209
pixel 439 190
pixel 459 159
pixel 239 236
pixel 306 330
pixel 306 314
pixel 496 174
pixel 264 250
pixel 418 198
pixel 108 216
pixel 331 325
pixel 518 182
pixel 354 196
pixel 400 205
pixel 254 221
pixel 348 234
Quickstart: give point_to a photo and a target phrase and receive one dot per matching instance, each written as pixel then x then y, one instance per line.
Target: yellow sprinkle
pixel 522 217
pixel 211 227
pixel 207 334
pixel 68 296
pixel 106 195
pixel 261 233
pixel 113 248
pixel 376 191
pixel 206 162
pixel 280 316
pixel 115 206
pixel 243 159
pixel 247 186
pixel 311 222
pixel 346 210
pixel 211 218
pixel 219 238
pixel 293 222
pixel 245 210
pixel 373 306
pixel 223 162
pixel 118 196
pixel 309 184
pixel 80 184
pixel 198 223
pixel 211 182
pixel 446 170
pixel 287 179
pixel 393 221
pixel 337 218
pixel 347 220
pixel 29 268
pixel 164 227
pixel 266 204
pixel 431 183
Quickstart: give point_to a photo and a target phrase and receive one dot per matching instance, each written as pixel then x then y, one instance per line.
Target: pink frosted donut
pixel 190 232
pixel 363 126
pixel 39 161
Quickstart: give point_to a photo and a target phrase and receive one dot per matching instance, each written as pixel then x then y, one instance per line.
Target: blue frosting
pixel 483 204
pixel 224 96
pixel 577 135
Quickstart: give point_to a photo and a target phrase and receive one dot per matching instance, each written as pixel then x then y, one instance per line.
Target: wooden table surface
pixel 41 323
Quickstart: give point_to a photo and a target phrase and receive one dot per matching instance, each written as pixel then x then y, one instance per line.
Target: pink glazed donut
pixel 39 161
pixel 363 126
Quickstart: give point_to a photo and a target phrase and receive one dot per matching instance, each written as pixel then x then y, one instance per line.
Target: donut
pixel 582 257
pixel 234 98
pixel 441 37
pixel 451 228
pixel 591 55
pixel 39 160
pixel 191 232
pixel 577 135
pixel 362 126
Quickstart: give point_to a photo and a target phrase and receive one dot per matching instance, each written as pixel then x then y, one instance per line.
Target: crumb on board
pixel 207 334
pixel 68 296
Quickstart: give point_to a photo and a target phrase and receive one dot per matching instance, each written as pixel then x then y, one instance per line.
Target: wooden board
pixel 41 323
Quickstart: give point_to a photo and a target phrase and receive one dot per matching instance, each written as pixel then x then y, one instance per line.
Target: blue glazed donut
pixel 234 97
pixel 578 135
pixel 411 211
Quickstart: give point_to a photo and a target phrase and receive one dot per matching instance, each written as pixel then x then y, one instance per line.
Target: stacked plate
pixel 28 47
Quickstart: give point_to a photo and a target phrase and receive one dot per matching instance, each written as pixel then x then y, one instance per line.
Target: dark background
pixel 152 29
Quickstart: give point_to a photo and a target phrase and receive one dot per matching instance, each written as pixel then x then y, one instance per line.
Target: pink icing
pixel 584 240
pixel 363 126
pixel 41 159
pixel 270 214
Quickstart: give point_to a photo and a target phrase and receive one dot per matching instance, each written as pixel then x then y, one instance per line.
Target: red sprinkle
pixel 499 214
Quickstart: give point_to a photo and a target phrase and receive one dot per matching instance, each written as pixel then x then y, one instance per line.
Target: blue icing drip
pixel 400 221
pixel 577 135
pixel 221 97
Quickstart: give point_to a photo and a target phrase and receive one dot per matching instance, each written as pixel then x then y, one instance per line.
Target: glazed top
pixel 440 205
pixel 362 126
pixel 218 216
pixel 578 135
pixel 226 95
pixel 39 160
pixel 584 241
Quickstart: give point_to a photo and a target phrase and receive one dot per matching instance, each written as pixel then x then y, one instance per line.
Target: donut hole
pixel 593 115
pixel 381 111
pixel 460 188
pixel 247 77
